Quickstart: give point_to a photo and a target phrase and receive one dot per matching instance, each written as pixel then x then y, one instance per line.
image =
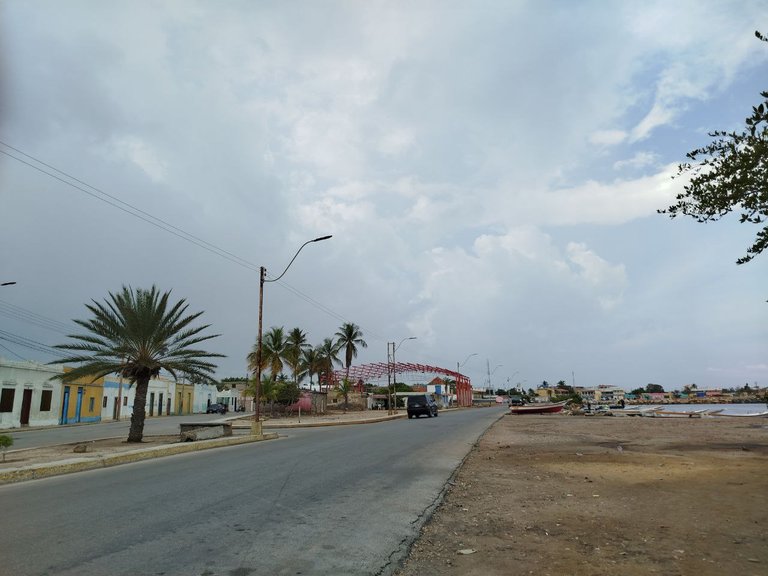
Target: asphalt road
pixel 332 501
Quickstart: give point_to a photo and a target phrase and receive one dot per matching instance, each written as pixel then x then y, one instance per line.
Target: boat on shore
pixel 539 408
pixel 763 414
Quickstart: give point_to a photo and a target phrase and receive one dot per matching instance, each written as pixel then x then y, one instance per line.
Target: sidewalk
pixel 34 463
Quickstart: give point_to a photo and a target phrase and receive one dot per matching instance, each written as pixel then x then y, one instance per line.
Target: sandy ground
pixel 95 449
pixel 556 494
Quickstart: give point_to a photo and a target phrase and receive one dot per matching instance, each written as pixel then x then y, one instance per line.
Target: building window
pixel 104 402
pixel 125 400
pixel 6 399
pixel 45 401
pixel 91 402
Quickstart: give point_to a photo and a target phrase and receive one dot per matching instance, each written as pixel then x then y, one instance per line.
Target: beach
pixel 559 494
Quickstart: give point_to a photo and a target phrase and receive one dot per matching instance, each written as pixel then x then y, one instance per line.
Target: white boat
pixel 748 415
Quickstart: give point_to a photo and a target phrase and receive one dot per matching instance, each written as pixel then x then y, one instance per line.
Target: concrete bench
pixel 204 430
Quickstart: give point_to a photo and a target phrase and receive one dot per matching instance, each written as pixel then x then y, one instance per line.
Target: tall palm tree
pixel 310 363
pixel 295 345
pixel 329 357
pixel 136 334
pixel 272 352
pixel 349 338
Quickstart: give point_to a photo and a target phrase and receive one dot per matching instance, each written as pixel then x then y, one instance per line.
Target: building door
pixel 26 406
pixel 114 408
pixel 65 406
pixel 151 403
pixel 160 405
pixel 168 408
pixel 79 406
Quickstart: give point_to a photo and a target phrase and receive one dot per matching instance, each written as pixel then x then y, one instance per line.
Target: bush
pixel 5 443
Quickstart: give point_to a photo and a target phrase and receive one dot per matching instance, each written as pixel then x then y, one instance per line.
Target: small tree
pixel 728 174
pixel 345 387
pixel 5 443
pixel 287 392
pixel 136 334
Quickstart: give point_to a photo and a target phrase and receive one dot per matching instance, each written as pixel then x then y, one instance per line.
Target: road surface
pixel 335 501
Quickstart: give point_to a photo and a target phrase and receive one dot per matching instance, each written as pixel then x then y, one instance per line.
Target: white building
pixel 603 394
pixel 28 396
pixel 160 398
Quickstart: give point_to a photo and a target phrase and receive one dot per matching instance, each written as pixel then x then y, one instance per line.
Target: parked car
pixel 421 404
pixel 217 409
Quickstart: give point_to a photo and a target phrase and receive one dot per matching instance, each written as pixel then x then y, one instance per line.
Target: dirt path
pixel 605 496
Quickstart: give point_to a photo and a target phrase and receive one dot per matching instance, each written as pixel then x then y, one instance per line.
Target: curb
pixel 267 424
pixel 38 471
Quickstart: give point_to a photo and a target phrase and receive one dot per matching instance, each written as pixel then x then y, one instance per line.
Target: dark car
pixel 421 404
pixel 216 409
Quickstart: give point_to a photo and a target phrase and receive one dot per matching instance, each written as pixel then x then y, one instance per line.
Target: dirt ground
pixel 94 449
pixel 576 495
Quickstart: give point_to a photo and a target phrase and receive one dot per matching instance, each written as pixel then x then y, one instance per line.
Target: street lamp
pixel 491 373
pixel 394 367
pixel 515 373
pixel 256 428
pixel 7 283
pixel 458 371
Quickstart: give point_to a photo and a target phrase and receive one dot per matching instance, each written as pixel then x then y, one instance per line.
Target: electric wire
pixel 115 202
pixel 125 207
pixel 31 344
pixel 18 313
pixel 14 353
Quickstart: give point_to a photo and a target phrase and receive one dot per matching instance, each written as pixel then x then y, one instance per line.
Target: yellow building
pixel 81 400
pixel 184 398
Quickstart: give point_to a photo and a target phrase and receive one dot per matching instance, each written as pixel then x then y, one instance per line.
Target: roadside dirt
pixel 93 449
pixel 604 496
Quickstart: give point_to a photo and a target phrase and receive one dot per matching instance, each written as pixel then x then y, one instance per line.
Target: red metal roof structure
pixel 375 370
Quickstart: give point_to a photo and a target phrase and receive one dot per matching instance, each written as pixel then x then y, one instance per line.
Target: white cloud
pixel 141 154
pixel 608 137
pixel 608 280
pixel 594 202
pixel 639 160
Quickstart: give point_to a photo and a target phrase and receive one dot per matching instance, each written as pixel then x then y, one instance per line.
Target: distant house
pixel 28 396
pixel 603 394
pixel 81 400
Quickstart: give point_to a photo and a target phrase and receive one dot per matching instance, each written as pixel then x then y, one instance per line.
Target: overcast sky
pixel 490 172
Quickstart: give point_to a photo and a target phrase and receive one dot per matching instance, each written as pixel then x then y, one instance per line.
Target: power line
pixel 115 202
pixel 14 353
pixel 18 313
pixel 99 194
pixel 31 344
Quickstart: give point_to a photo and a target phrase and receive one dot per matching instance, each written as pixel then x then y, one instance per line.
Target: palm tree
pixel 272 352
pixel 349 338
pixel 136 334
pixel 310 363
pixel 296 344
pixel 268 391
pixel 345 387
pixel 329 357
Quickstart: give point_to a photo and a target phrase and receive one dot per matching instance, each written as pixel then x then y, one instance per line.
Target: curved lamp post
pixel 256 428
pixel 491 373
pixel 394 366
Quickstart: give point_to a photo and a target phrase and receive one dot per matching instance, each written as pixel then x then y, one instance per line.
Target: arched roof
pixel 366 372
